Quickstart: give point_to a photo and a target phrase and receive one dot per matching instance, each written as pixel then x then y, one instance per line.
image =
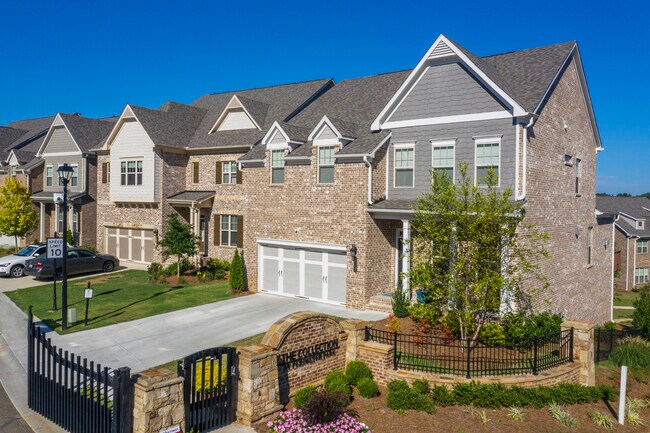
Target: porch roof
pixel 392 209
pixel 48 196
pixel 187 198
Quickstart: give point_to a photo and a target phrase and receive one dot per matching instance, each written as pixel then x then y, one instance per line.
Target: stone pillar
pixel 356 334
pixel 258 396
pixel 583 349
pixel 158 402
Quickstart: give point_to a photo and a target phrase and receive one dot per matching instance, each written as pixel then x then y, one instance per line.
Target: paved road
pixel 10 420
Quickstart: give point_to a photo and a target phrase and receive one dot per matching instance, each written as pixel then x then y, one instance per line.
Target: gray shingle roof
pixel 191 196
pixel 8 136
pixel 87 132
pixel 33 134
pixel 172 124
pixel 280 102
pixel 395 204
pixel 636 207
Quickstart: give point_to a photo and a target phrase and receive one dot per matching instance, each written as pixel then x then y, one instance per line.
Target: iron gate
pixel 74 393
pixel 209 388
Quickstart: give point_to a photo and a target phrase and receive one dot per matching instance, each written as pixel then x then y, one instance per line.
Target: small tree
pixel 237 273
pixel 17 216
pixel 472 251
pixel 178 240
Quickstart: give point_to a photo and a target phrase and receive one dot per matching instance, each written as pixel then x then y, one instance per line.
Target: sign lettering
pixel 308 355
pixel 54 248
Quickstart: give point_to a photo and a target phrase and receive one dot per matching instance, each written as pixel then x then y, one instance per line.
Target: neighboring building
pixel 68 141
pixel 632 261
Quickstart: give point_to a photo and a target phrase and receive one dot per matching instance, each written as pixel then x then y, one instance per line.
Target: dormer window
pixel 235 117
pixel 640 225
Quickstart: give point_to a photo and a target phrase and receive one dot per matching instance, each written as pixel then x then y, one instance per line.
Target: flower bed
pixel 291 421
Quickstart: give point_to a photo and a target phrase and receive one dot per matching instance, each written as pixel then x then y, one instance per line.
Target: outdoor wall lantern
pixel 353 253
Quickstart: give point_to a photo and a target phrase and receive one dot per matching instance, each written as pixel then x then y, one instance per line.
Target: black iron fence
pixel 464 357
pixel 607 341
pixel 78 395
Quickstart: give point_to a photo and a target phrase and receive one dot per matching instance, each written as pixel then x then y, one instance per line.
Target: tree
pixel 17 216
pixel 237 273
pixel 472 251
pixel 178 240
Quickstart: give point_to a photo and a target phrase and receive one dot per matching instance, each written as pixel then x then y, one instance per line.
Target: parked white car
pixel 14 265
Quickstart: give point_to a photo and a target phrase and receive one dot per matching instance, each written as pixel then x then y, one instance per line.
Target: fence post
pixel 367 334
pixel 394 350
pixel 122 401
pixel 469 358
pixel 30 357
pixel 611 340
pixel 535 372
pixel 571 346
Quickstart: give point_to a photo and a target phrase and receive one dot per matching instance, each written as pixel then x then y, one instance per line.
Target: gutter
pixel 611 318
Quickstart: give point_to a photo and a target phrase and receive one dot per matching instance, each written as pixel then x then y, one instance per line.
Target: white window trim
pixel 230 232
pixel 284 166
pixel 50 166
pixel 638 275
pixel 445 143
pixel 486 140
pixel 318 165
pixel 396 147
pixel 127 160
pixel 639 243
pixel 229 173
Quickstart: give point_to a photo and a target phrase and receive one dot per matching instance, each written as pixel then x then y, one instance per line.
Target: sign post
pixel 621 398
pixel 88 294
pixel 54 251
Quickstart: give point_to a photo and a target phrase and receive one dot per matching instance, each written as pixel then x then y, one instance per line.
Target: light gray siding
pixel 326 133
pixel 278 138
pixel 60 141
pixel 446 90
pixel 464 133
pixel 55 161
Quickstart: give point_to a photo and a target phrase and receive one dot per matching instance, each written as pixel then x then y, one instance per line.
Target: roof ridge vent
pixel 441 50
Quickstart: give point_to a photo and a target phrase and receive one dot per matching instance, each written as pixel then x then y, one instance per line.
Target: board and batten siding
pixel 60 141
pixel 133 143
pixel 464 134
pixel 446 90
pixel 55 162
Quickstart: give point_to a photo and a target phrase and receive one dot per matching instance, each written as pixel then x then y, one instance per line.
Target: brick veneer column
pixel 158 402
pixel 379 357
pixel 259 386
pixel 583 350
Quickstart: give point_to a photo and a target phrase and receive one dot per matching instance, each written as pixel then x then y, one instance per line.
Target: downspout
pixel 525 151
pixel 366 159
pixel 517 167
pixel 634 268
pixel 627 262
pixel 611 309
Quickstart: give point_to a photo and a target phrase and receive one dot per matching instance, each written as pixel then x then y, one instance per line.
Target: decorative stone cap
pixel 376 347
pixel 354 324
pixel 279 331
pixel 581 326
pixel 254 351
pixel 157 378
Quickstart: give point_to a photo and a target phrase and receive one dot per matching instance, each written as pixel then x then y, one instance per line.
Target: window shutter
pixel 104 172
pixel 217 229
pixel 218 171
pixel 239 176
pixel 240 231
pixel 196 171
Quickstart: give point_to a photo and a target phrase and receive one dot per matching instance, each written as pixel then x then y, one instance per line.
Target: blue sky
pixel 94 57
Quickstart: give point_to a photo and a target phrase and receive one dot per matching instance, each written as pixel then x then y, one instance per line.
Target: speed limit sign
pixel 54 248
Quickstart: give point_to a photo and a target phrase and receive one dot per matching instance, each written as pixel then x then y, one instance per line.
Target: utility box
pixel 72 316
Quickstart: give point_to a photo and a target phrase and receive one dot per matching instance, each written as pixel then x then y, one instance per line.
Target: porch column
pixel 41 229
pixel 406 253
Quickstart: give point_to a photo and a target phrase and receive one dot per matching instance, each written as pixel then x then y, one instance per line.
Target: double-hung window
pixel 641 276
pixel 642 247
pixel 74 179
pixel 487 158
pixel 49 175
pixel 326 164
pixel 443 158
pixel 131 173
pixel 404 165
pixel 59 219
pixel 229 230
pixel 277 166
pixel 229 172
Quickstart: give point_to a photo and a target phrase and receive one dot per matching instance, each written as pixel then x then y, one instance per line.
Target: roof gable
pixel 236 116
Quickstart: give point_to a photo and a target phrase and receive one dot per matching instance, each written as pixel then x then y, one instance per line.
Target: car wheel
pixel 108 266
pixel 59 274
pixel 17 271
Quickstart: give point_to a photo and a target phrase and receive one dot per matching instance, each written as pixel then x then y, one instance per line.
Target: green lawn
pixel 619 314
pixel 118 297
pixel 625 299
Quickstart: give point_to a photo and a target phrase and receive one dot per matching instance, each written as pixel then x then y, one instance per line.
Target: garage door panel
pixel 270 274
pixel 313 280
pixel 336 284
pixel 148 250
pixel 136 249
pixel 291 278
pixel 337 258
pixel 111 246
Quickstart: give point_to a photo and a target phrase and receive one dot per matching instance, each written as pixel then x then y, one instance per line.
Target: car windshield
pixel 27 251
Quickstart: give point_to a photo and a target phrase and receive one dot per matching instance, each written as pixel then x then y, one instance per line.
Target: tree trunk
pixel 178 268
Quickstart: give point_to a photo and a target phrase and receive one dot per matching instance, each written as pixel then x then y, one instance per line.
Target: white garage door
pixel 130 244
pixel 313 272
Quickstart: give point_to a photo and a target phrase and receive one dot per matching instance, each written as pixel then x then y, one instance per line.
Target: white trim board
pixel 490 115
pixel 301 244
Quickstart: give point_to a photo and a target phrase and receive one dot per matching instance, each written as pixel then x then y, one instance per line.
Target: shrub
pixel 426 312
pixel 393 324
pixel 325 406
pixel 336 381
pixel 399 302
pixel 69 238
pixel 544 323
pixel 491 334
pixel 155 271
pixel 215 264
pixel 641 315
pixel 303 395
pixel 173 268
pixel 237 273
pixel 367 388
pixel 421 386
pixel 219 274
pixel 357 370
pixel 90 248
pixel 607 326
pixel 513 325
pixel 402 397
pixel 632 351
pixel 518 327
pixel 442 396
pixel 561 415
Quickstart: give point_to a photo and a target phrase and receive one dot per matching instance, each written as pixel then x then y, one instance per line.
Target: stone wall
pixel 158 401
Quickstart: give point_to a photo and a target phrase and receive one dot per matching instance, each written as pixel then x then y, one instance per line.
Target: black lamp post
pixel 65 172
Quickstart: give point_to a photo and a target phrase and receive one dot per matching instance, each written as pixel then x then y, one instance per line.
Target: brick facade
pixel 629 259
pixel 579 290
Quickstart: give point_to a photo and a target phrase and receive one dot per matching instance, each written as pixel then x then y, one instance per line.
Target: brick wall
pixel 577 289
pixel 630 259
pixel 88 215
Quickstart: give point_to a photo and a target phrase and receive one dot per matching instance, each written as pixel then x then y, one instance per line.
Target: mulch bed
pixel 456 419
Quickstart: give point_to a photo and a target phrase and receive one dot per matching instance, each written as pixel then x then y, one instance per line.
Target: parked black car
pixel 80 261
